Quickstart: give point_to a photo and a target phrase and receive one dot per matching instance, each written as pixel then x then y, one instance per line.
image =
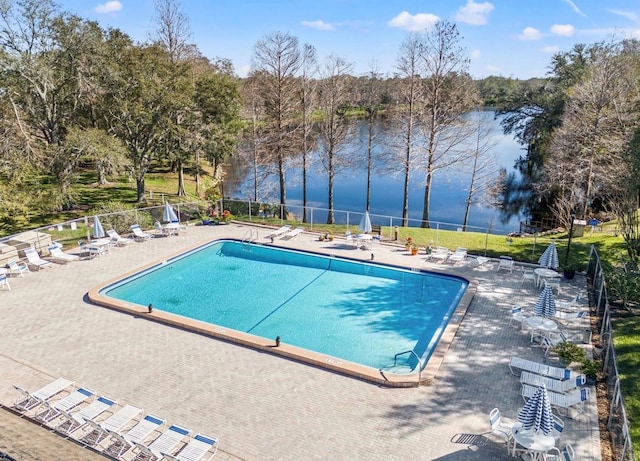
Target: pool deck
pixel 261 406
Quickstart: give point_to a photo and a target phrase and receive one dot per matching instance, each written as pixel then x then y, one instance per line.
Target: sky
pixel 508 38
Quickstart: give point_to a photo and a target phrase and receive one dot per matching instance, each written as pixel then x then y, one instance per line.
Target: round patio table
pixel 536 444
pixel 544 273
pixel 538 323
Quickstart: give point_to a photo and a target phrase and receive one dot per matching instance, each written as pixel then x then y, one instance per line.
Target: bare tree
pixel 277 60
pixel 372 104
pixel 307 102
pixel 172 29
pixel 448 95
pixel 407 110
pixel 482 163
pixel 334 97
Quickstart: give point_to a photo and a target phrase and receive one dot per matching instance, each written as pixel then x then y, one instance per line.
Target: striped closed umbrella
pixel 536 414
pixel 98 230
pixel 549 258
pixel 545 305
pixel 168 215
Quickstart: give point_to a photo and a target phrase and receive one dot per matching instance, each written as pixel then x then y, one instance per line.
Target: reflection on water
pixel 449 190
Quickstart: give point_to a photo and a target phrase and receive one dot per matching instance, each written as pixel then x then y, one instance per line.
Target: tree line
pixel 74 93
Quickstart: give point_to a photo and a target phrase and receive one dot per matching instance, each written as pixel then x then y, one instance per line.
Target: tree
pixel 407 111
pixel 334 97
pixel 448 94
pixel 482 164
pixel 277 60
pixel 307 103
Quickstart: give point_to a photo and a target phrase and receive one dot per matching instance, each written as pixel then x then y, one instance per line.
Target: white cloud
pixel 551 49
pixel 631 16
pixel 318 25
pixel 475 54
pixel 414 22
pixel 109 7
pixel 474 13
pixel 494 69
pixel 566 30
pixel 529 33
pixel 574 7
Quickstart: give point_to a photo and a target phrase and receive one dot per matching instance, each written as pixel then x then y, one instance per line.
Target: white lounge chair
pixel 568 305
pixel 293 233
pixel 505 263
pixel 57 255
pixel 34 259
pixel 457 256
pixel 196 450
pixel 70 422
pixel 4 282
pixel 554 385
pixel 166 443
pixel 439 253
pixel 18 268
pixel 278 232
pixel 114 423
pixel 52 410
pixel 569 316
pixel 27 401
pixel 88 250
pixel 139 234
pixel 117 240
pixel 121 443
pixel 566 401
pixel 540 368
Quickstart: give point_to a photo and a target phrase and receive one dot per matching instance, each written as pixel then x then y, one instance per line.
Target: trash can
pixel 586 336
pixel 578 227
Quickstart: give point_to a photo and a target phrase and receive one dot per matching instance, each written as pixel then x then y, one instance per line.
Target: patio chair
pixel 114 423
pixel 518 315
pixel 4 282
pixel 52 410
pixel 553 339
pixel 457 256
pixel 568 305
pixel 28 401
pixel 139 234
pixel 70 422
pixel 166 443
pixel 528 276
pixel 17 268
pixel 540 368
pixel 117 240
pixel 278 232
pixel 554 385
pixel 439 253
pixel 293 233
pixel 89 251
pixel 566 401
pixel 58 256
pixel 557 428
pixel 555 454
pixel 554 283
pixel 34 259
pixel 196 450
pixel 350 240
pixel 505 263
pixel 500 427
pixel 565 317
pixel 121 443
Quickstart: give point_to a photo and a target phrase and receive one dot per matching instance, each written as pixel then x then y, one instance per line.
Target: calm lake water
pixel 448 194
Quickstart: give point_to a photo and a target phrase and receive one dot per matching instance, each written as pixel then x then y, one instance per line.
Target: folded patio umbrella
pixel 550 257
pixel 168 215
pixel 545 305
pixel 365 223
pixel 536 414
pixel 98 230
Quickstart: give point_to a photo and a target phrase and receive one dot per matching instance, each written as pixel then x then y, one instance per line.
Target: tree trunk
pixel 427 198
pixel 369 161
pixel 140 190
pixel 331 214
pixel 283 189
pixel 181 191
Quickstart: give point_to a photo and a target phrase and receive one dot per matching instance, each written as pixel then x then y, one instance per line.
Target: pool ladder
pixel 251 236
pixel 411 352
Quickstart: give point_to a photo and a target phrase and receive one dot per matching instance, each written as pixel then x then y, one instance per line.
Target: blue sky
pixel 511 38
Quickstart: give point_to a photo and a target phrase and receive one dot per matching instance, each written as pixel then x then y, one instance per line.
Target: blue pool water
pixel 361 312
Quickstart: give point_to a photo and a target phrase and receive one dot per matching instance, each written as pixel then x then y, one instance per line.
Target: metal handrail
pixel 412 352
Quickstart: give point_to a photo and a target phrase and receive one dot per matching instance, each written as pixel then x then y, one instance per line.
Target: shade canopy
pixel 550 257
pixel 536 414
pixel 365 223
pixel 168 215
pixel 545 305
pixel 98 230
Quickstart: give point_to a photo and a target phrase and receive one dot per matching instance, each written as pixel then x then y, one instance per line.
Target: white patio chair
pixel 34 259
pixel 505 263
pixel 18 268
pixel 518 315
pixel 460 255
pixel 566 454
pixel 4 282
pixel 500 427
pixel 117 239
pixel 528 276
pixel 139 234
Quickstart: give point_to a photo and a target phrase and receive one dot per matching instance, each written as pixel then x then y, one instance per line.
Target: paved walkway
pixel 260 406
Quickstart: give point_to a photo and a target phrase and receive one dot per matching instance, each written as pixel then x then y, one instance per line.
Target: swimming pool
pixel 333 308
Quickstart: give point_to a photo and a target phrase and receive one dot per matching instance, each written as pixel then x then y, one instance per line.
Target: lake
pixel 449 190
